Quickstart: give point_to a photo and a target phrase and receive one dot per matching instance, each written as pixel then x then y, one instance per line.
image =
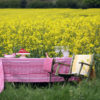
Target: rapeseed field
pixel 40 30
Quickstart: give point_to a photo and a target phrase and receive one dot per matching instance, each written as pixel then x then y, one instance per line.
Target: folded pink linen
pixel 1 77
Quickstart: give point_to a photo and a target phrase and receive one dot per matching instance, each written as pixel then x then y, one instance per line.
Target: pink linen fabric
pixel 64 69
pixel 31 70
pixel 48 64
pixel 25 70
pixel 1 77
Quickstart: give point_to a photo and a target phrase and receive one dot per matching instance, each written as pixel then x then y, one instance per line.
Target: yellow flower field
pixel 39 30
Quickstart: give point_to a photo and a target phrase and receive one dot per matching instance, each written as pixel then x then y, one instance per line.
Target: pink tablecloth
pixel 1 76
pixel 29 70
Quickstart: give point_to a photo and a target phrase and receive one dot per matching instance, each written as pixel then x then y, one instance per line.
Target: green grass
pixel 83 91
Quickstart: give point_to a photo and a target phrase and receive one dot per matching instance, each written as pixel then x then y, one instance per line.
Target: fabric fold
pixel 48 64
pixel 1 77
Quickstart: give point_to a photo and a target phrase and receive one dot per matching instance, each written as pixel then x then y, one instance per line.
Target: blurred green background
pixel 49 3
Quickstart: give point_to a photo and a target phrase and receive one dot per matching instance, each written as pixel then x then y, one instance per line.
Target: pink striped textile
pixel 63 69
pixel 48 64
pixel 1 77
pixel 31 70
pixel 26 70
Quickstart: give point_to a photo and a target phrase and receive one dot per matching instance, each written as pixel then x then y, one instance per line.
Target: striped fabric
pixel 30 70
pixel 48 64
pixel 1 77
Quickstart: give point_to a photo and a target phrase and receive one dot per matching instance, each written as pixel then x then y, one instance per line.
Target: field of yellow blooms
pixel 40 30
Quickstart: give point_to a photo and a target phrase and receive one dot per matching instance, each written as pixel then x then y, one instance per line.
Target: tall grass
pixel 97 65
pixel 83 91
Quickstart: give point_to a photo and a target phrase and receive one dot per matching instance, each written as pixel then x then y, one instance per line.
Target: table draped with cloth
pixel 31 70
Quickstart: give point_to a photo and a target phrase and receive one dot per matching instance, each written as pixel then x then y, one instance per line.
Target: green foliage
pixel 97 65
pixel 23 3
pixel 83 91
pixel 78 3
pixel 49 4
pixel 39 4
pixel 93 3
pixel 67 3
pixel 10 3
pixel 17 56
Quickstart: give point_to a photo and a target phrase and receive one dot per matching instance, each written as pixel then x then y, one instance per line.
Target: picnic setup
pixel 49 49
pixel 49 70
